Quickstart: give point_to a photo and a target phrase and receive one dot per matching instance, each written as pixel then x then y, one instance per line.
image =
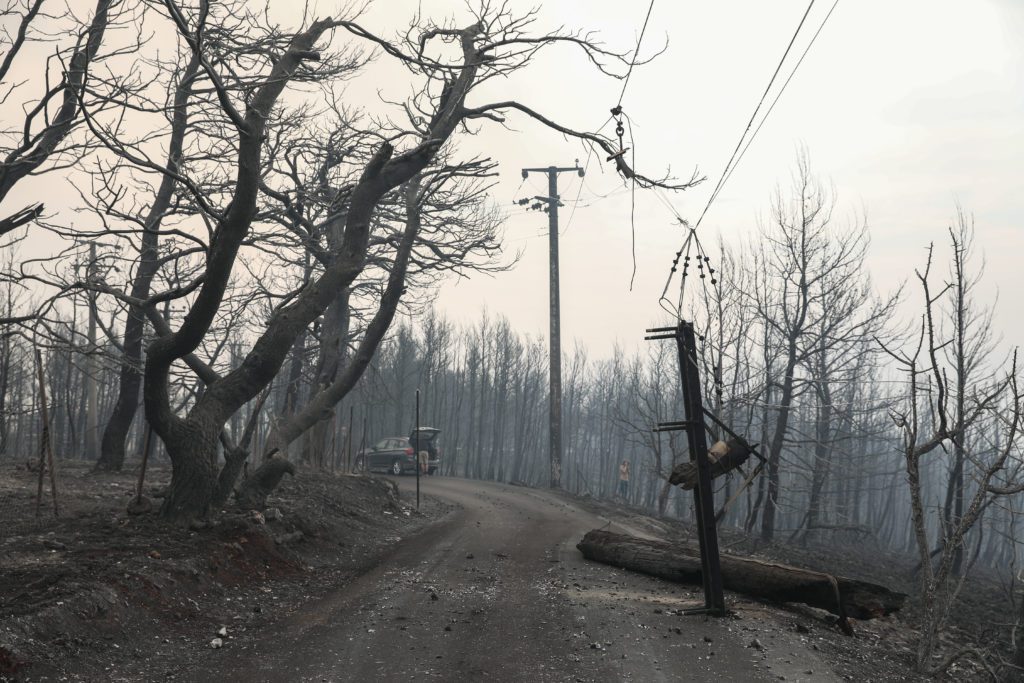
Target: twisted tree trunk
pixel 112 448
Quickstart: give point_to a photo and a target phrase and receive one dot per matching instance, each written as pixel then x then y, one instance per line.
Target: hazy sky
pixel 906 107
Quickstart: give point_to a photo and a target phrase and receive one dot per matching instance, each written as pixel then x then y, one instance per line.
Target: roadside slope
pixel 97 594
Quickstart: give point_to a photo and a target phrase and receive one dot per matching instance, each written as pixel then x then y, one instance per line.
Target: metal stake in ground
pixel 416 440
pixel 552 202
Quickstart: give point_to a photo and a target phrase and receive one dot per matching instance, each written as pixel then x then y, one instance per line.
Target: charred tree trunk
pixel 234 461
pixel 333 335
pixel 291 394
pixel 822 453
pixel 5 380
pixel 775 582
pixel 1018 655
pixel 777 442
pixel 336 382
pixel 193 450
pixel 112 447
pixel 255 489
pixel 192 488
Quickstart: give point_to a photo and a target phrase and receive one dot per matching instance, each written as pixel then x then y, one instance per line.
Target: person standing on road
pixel 624 479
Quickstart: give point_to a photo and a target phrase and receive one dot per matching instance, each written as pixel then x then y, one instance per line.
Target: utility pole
pixel 555 395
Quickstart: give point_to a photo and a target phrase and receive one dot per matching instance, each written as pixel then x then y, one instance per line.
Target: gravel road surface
pixel 497 591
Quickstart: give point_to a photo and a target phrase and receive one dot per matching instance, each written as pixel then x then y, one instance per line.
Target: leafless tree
pixel 242 103
pixel 929 428
pixel 37 132
pixel 815 308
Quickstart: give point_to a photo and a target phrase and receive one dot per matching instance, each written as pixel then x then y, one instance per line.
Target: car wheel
pixel 431 471
pixel 396 468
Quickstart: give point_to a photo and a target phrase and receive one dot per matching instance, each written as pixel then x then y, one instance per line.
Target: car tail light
pixel 409 451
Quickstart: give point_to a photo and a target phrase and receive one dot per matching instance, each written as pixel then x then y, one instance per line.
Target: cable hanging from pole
pixel 620 130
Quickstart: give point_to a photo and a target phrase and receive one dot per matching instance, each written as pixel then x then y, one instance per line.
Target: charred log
pixel 764 580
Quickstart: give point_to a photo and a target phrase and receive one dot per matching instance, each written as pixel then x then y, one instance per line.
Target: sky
pixel 908 109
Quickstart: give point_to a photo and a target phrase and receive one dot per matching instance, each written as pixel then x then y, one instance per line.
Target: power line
pixel 632 197
pixel 764 96
pixel 586 167
pixel 782 90
pixel 622 94
pixel 579 190
pixel 741 148
pixel 636 52
pixel 618 108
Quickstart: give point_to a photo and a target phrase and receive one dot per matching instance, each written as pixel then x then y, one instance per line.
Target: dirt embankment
pixel 97 593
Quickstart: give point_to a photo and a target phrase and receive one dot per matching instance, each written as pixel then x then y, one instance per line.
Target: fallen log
pixel 764 580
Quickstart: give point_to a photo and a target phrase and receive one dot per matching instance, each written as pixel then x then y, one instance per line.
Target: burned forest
pixel 341 341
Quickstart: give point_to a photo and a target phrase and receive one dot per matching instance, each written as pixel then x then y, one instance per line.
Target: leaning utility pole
pixel 555 395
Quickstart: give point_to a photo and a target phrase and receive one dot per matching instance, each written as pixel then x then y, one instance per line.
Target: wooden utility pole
pixel 555 394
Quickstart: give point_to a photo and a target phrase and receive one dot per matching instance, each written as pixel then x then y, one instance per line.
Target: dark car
pixel 397 454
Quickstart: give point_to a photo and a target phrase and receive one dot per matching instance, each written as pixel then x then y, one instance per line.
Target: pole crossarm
pixel 557 169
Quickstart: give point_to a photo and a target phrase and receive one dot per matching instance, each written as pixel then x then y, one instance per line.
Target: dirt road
pixel 497 591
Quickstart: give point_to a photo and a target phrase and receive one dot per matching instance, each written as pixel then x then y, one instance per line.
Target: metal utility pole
pixel 703 495
pixel 552 202
pixel 416 441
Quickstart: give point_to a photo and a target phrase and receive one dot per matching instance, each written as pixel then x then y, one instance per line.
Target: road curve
pixel 497 591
